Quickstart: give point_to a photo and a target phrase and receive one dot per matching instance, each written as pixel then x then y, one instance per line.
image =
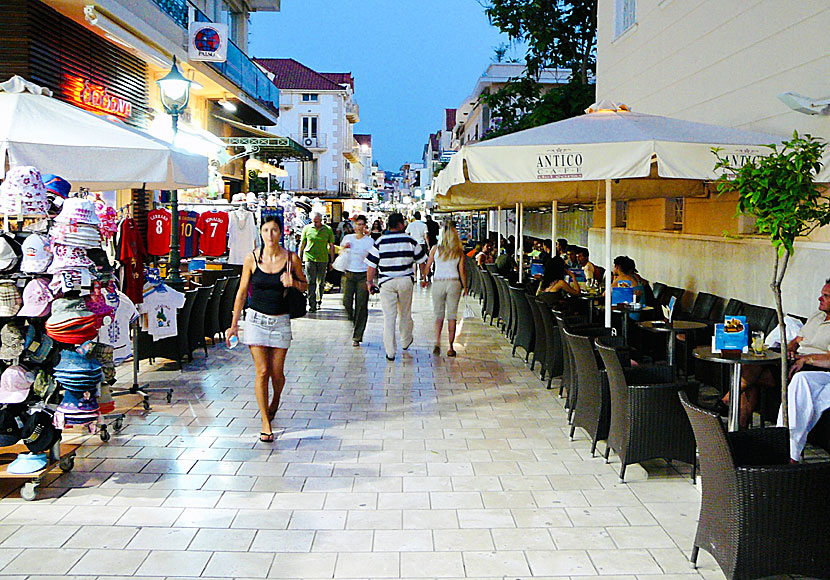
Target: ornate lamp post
pixel 175 94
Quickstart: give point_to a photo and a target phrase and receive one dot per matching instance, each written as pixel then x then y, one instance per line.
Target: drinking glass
pixel 757 344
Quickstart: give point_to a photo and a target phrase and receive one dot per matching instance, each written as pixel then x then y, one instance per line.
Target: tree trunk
pixel 780 270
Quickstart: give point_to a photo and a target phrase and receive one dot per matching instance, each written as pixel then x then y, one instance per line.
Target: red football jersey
pixel 213 233
pixel 158 232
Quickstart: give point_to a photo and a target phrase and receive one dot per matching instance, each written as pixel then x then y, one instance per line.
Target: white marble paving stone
pixel 426 468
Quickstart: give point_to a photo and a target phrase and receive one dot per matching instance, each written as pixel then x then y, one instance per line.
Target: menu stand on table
pixel 61 455
pixel 136 389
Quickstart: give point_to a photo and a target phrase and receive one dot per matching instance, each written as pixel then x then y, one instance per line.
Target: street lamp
pixel 174 88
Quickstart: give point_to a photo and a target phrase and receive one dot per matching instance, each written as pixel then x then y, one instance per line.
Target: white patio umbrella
pixel 86 149
pixel 629 155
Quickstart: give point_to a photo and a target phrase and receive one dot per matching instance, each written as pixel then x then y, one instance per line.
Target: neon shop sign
pixel 96 98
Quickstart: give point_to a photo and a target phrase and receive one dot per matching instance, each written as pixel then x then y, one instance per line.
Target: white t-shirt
pixel 417 230
pixel 242 236
pixel 159 312
pixel 117 333
pixel 358 250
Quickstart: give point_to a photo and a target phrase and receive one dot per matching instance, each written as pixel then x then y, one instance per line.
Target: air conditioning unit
pixel 309 141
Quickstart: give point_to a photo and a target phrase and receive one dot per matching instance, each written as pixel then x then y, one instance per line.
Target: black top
pixel 268 291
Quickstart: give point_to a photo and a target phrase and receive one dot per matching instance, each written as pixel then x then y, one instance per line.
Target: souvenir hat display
pixel 78 408
pixel 12 341
pixel 37 298
pixel 28 463
pixel 38 432
pixel 9 428
pixel 57 186
pixel 23 192
pixel 37 254
pixel 71 322
pixel 77 210
pixel 69 258
pixel 76 372
pixel 10 299
pixel 37 346
pixel 77 235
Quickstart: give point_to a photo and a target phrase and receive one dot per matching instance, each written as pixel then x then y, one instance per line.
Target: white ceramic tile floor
pixel 427 467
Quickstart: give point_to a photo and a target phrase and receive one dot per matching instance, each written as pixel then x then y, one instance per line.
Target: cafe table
pixel 671 330
pixel 625 309
pixel 590 298
pixel 737 362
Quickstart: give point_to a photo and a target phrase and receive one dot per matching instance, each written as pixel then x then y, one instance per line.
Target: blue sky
pixel 411 59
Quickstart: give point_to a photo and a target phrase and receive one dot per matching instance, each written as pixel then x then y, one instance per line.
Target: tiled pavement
pixel 427 467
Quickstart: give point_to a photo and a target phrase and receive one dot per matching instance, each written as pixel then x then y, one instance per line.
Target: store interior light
pixel 228 105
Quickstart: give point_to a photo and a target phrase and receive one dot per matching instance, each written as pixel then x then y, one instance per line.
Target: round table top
pixel 747 358
pixel 674 326
pixel 625 307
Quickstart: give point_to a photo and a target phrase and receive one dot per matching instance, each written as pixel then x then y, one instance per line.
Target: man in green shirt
pixel 317 251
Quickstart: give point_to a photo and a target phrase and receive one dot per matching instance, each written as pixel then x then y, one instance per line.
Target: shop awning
pixel 265 144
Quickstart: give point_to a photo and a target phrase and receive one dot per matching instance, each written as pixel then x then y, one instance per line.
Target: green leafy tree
pixel 557 33
pixel 780 192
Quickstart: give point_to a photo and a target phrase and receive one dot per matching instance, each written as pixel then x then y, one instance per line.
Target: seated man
pixel 810 350
pixel 808 396
pixel 506 266
pixel 590 270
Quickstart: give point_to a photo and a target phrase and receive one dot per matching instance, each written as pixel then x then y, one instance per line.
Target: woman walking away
pixel 269 273
pixel 355 292
pixel 449 282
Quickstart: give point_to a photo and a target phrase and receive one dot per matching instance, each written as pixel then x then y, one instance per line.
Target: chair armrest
pixel 754 447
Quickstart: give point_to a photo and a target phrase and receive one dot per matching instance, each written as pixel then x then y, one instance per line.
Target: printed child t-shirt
pixel 117 333
pixel 159 312
pixel 213 232
pixel 158 232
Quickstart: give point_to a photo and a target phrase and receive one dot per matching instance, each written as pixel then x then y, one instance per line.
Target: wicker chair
pixel 759 515
pixel 647 420
pixel 226 304
pixel 172 347
pixel 593 408
pixel 491 297
pixel 570 378
pixel 540 345
pixel 196 329
pixel 553 343
pixel 523 328
pixel 212 325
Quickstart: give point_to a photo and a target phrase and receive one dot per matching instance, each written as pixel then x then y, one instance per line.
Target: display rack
pixel 61 455
pixel 136 389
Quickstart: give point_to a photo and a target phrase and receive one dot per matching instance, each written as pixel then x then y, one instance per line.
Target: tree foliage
pixel 557 34
pixel 780 192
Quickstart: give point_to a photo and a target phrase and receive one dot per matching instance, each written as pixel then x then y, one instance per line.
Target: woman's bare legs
pixel 451 324
pixel 262 356
pixel 439 326
pixel 277 379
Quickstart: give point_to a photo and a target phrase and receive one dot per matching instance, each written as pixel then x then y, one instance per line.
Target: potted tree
pixel 781 193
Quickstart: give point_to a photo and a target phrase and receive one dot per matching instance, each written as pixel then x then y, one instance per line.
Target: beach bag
pixel 296 299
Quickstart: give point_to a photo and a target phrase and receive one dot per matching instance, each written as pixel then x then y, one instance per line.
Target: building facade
pixel 318 111
pixel 723 63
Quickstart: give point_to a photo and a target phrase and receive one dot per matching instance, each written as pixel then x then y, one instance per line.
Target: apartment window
pixel 309 127
pixel 675 211
pixel 625 15
pixel 621 214
pixel 308 174
pixel 310 97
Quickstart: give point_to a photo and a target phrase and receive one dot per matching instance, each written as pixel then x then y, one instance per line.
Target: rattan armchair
pixel 759 515
pixel 647 421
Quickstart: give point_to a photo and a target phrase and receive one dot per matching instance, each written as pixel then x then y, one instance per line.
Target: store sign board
pixel 207 41
pixel 97 99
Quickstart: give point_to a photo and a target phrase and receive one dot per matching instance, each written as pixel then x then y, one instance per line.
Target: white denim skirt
pixel 266 330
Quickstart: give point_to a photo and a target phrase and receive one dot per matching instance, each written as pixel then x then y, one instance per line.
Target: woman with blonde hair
pixel 449 282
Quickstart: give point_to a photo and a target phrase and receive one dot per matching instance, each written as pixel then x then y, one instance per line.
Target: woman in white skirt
pixel 449 283
pixel 269 272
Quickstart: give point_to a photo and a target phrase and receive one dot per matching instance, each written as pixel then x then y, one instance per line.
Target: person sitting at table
pixel 562 248
pixel 571 261
pixel 474 252
pixel 546 251
pixel 625 275
pixel 808 396
pixel 809 351
pixel 485 256
pixel 506 266
pixel 554 288
pixel 590 270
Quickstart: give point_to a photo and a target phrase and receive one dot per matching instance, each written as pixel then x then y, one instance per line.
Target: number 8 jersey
pixel 213 232
pixel 158 232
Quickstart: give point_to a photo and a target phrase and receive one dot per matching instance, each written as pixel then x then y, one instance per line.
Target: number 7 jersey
pixel 213 233
pixel 188 236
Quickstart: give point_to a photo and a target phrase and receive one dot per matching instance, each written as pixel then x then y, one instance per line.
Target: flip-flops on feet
pixel 266 437
pixel 450 353
pixel 436 349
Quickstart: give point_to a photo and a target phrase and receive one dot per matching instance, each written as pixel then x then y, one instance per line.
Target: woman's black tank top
pixel 267 291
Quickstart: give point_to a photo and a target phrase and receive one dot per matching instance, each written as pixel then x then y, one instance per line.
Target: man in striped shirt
pixel 392 259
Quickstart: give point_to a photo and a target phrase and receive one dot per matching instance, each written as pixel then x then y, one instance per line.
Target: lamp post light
pixel 174 88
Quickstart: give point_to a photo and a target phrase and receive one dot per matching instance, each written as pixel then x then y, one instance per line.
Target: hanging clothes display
pixel 188 235
pixel 158 310
pixel 242 235
pixel 158 232
pixel 131 254
pixel 213 232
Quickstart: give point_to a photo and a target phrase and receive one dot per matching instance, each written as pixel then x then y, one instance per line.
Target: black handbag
pixel 296 300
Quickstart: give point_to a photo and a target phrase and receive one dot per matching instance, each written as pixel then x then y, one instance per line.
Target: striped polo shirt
pixel 394 255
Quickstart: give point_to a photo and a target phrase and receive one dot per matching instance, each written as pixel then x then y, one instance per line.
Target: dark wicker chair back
pixel 540 339
pixel 524 335
pixel 196 328
pixel 226 304
pixel 491 296
pixel 759 516
pixel 212 326
pixel 702 308
pixel 553 343
pixel 657 288
pixel 592 408
pixel 513 323
pixel 760 318
pixel 733 308
pixel 568 383
pixel 491 268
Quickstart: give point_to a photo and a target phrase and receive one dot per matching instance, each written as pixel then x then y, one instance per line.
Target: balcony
pixel 238 68
pixel 353 112
pixel 311 142
pixel 352 152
